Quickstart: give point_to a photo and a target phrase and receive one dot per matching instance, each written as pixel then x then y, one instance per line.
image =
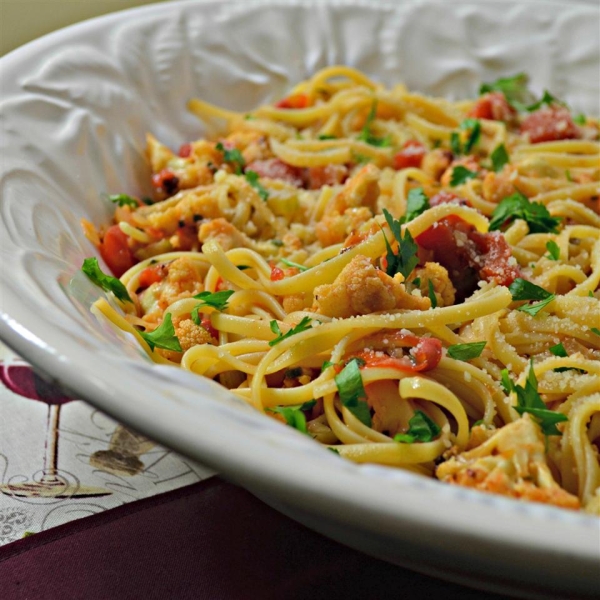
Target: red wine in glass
pixel 20 378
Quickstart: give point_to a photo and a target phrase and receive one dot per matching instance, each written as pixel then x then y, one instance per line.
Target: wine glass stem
pixel 51 449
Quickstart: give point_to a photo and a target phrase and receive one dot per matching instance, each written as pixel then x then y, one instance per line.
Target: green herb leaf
pixel 302 326
pixel 514 89
pixel 406 258
pixel 326 365
pixel 595 330
pixel 473 126
pixel 416 282
pixel 366 136
pixel 518 206
pixel 289 263
pixel 352 392
pixel 326 136
pixel 568 175
pixel 124 200
pixel 420 429
pixel 466 351
pixel 529 401
pixel 277 243
pixel 163 336
pixel 455 145
pixel 522 289
pixel 416 203
pixel 294 415
pixel 460 175
pixel 107 282
pixel 553 250
pixel 547 99
pixel 558 350
pixel 253 179
pixel 431 294
pixel 217 300
pixel 233 156
pixel 499 157
pixel 580 119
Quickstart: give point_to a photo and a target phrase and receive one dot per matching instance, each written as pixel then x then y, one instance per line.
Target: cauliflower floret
pixel 438 275
pixel 391 413
pixel 512 463
pixel 334 227
pixel 360 190
pixel 190 334
pixel 361 289
pixel 223 232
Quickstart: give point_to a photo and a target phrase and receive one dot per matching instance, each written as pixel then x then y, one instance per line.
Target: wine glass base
pixel 40 489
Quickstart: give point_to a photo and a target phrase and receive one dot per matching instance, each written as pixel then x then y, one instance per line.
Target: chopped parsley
pixel 124 200
pixel 326 136
pixel 352 392
pixel 217 300
pixel 580 119
pixel 499 157
pixel 294 415
pixel 553 250
pixel 302 326
pixel 420 429
pixel 277 243
pixel 529 401
pixel 558 350
pixel 518 206
pixel 595 330
pixel 472 127
pixel 253 179
pixel 416 203
pixel 521 289
pixel 514 88
pixel 548 99
pixel 366 136
pixel 568 176
pixel 466 351
pixel 163 336
pixel 289 263
pixel 431 294
pixel 233 156
pixel 406 259
pixel 460 175
pixel 107 282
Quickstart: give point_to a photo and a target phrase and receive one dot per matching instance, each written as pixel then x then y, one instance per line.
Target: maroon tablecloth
pixel 208 540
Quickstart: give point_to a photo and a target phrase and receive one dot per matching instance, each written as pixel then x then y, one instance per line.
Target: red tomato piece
pixel 425 355
pixel 115 251
pixel 493 106
pixel 277 274
pixel 293 101
pixel 550 124
pixel 411 155
pixel 495 252
pixel 166 181
pixel 273 168
pixel 185 150
pixel 150 275
pixel 205 322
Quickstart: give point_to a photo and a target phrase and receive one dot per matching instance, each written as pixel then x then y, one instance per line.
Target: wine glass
pixel 21 379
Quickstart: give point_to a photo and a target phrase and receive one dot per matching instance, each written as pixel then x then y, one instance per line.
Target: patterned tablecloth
pixel 61 459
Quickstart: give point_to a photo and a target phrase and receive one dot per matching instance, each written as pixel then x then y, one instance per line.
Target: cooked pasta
pixel 411 281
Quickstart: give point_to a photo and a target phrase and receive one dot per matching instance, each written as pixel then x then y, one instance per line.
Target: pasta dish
pixel 410 281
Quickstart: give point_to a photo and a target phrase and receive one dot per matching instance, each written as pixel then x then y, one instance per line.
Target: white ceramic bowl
pixel 75 108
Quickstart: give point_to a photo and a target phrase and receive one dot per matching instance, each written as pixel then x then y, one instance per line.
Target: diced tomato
pixel 493 106
pixel 411 155
pixel 550 124
pixel 150 275
pixel 496 255
pixel 185 150
pixel 317 177
pixel 187 236
pixel 425 355
pixel 277 274
pixel 273 168
pixel 293 101
pixel 205 322
pixel 445 197
pixel 115 251
pixel 166 181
